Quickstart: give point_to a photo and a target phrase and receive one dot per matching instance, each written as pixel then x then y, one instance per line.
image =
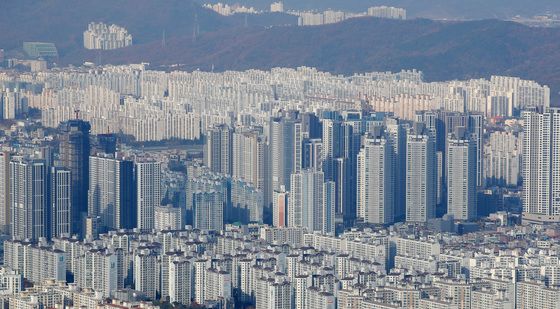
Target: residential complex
pixel 288 188
pixel 102 36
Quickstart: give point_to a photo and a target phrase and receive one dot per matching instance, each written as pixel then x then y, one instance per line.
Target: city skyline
pixel 332 167
pixel 270 181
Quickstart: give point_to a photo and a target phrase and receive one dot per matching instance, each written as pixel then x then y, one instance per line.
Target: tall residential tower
pixel 148 192
pixel 421 171
pixel 74 155
pixel 541 167
pixel 376 194
pixel 461 175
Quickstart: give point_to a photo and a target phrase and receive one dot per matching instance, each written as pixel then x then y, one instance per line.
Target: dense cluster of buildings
pixel 262 266
pixel 310 18
pixel 154 106
pixel 307 190
pixel 227 10
pixel 82 186
pixel 12 103
pixel 387 12
pixel 103 36
pixel 332 17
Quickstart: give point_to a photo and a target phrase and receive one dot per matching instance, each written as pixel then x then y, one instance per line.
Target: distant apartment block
pixel 277 7
pixel 322 18
pixel 12 104
pixel 102 36
pixel 332 17
pixel 227 10
pixel 387 12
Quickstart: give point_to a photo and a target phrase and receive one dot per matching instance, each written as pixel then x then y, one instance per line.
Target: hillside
pixel 63 21
pixel 442 50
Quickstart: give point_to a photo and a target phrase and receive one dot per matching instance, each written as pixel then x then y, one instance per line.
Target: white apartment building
pixel 273 294
pixel 422 248
pixel 250 157
pixel 102 36
pixel 11 281
pixel 28 214
pixel 98 270
pixel 5 194
pixel 421 184
pixel 503 158
pixel 168 218
pixel 535 295
pixel 218 150
pixel 208 210
pixel 376 181
pixel 200 277
pixel 541 170
pixel 104 194
pixel 60 202
pixel 218 286
pixel 461 176
pixel 148 193
pixel 318 299
pixel 146 272
pixel 309 206
pixel 33 262
pixel 387 12
pixel 180 281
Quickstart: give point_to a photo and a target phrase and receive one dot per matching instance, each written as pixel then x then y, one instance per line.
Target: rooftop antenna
pixel 163 40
